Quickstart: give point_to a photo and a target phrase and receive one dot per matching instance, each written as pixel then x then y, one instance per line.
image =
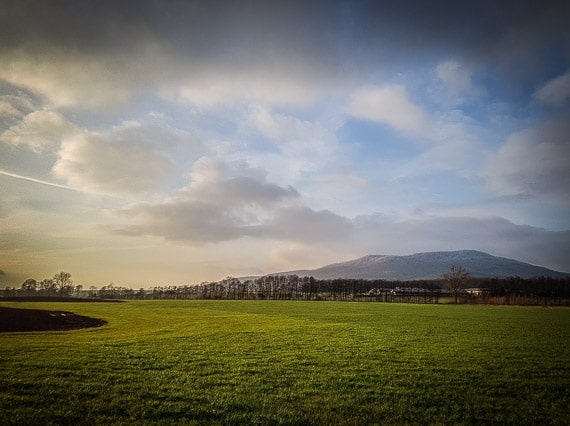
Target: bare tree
pixel 455 280
pixel 63 282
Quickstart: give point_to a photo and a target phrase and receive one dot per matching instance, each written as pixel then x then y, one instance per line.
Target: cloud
pixel 554 92
pixel 211 53
pixel 389 105
pixel 86 79
pixel 301 223
pixel 450 135
pixel 123 160
pixel 457 86
pixel 81 56
pixel 15 103
pixel 190 222
pixel 216 206
pixel 92 162
pixel 291 149
pixel 535 161
pixel 343 183
pixel 67 79
pixel 291 255
pixel 7 110
pixel 215 88
pixel 461 155
pixel 203 54
pixel 239 190
pixel 250 212
pixel 454 76
pixel 265 87
pixel 39 130
pixel 31 179
pixel 283 129
pixel 221 206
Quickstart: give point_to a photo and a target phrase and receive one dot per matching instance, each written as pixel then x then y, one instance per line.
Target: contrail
pixel 70 188
pixel 43 182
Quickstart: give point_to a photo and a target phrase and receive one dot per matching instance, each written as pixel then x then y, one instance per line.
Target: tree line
pixel 461 289
pixel 60 284
pixel 456 285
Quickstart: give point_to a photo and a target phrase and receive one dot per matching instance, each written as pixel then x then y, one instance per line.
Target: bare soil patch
pixel 54 299
pixel 14 320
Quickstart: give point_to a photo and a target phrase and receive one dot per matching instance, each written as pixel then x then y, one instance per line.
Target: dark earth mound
pixel 12 319
pixel 53 299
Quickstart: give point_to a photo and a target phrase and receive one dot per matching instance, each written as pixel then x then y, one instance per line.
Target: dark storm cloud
pixel 519 42
pixel 90 25
pixel 474 25
pixel 517 39
pixel 195 28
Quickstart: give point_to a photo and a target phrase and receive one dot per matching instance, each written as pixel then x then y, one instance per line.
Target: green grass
pixel 265 362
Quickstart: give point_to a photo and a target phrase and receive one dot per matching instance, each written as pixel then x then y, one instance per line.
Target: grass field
pixel 265 362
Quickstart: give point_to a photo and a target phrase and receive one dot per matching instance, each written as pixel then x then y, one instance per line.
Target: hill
pixel 429 265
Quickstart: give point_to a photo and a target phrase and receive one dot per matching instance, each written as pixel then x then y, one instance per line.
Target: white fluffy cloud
pixel 282 129
pixel 554 92
pixel 91 162
pixel 126 159
pixel 454 75
pixel 291 149
pixel 456 84
pixel 68 79
pixel 39 130
pixel 214 88
pixel 534 162
pixel 389 105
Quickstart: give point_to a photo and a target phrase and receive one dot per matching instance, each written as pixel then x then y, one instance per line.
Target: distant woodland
pixel 514 290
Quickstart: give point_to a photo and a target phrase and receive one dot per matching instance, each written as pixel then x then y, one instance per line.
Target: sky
pixel 157 142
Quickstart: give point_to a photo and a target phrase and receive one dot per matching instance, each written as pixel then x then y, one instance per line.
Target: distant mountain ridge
pixel 429 265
